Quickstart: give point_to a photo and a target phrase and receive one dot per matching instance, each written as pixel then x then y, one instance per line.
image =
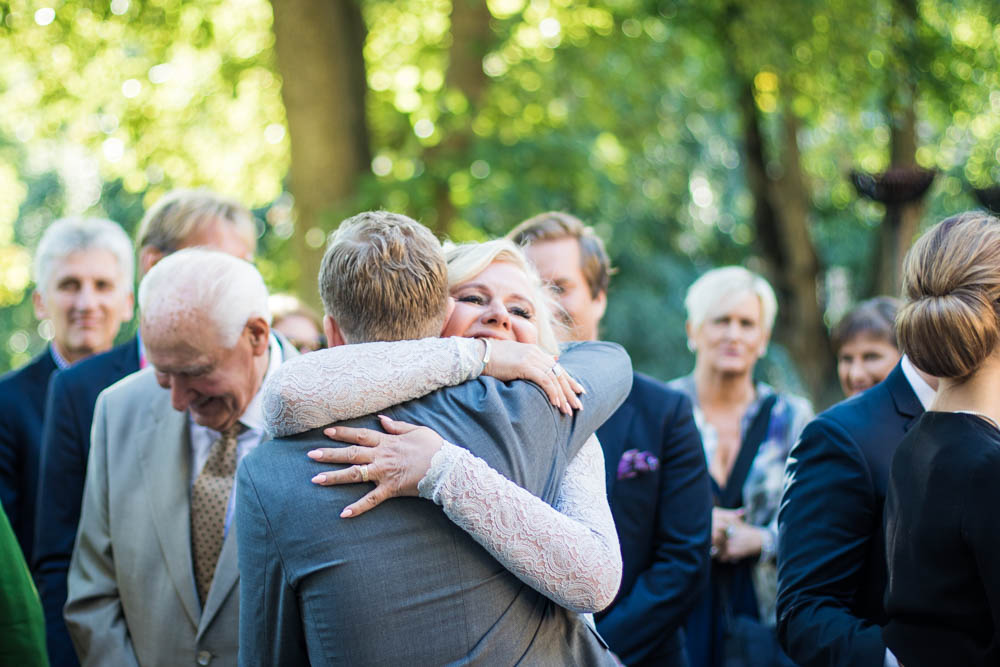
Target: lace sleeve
pixel 349 381
pixel 569 553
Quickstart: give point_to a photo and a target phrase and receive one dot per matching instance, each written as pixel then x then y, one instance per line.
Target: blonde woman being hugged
pixel 942 542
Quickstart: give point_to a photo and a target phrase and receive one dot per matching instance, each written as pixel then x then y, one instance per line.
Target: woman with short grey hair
pixel 747 429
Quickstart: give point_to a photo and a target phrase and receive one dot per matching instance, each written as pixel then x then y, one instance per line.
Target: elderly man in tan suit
pixel 153 578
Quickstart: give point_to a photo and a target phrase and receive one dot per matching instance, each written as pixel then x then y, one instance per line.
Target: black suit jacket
pixel 65 446
pixel 663 520
pixel 831 544
pixel 22 410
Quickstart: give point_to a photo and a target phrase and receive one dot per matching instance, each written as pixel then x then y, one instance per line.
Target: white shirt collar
pixel 925 393
pixel 253 416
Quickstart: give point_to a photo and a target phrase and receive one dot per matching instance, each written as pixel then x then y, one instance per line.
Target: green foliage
pixel 623 112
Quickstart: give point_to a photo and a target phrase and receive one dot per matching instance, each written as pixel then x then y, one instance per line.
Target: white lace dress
pixel 569 551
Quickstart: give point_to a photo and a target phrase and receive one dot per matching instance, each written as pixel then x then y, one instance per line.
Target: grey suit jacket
pixel 401 584
pixel 132 598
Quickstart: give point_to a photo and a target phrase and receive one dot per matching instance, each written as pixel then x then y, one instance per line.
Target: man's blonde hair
pixel 384 277
pixel 179 213
pixel 468 260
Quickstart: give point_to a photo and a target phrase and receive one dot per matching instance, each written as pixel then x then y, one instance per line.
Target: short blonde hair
pixel 951 283
pixel 179 213
pixel 468 260
pixel 384 278
pixel 715 290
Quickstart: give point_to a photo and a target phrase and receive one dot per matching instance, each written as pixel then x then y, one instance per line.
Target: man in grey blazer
pixel 153 576
pixel 401 584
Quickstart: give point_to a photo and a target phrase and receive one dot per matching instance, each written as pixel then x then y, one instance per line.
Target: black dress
pixel 943 543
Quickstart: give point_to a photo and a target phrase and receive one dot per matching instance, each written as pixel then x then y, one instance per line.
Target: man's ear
pixel 148 256
pixel 601 303
pixel 332 330
pixel 447 316
pixel 39 303
pixel 260 335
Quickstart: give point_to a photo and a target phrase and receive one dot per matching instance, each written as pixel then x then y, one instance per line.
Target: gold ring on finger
pixel 364 473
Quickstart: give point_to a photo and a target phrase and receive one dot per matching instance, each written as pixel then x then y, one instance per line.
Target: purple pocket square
pixel 634 462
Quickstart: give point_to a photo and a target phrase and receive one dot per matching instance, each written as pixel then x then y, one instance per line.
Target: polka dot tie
pixel 209 499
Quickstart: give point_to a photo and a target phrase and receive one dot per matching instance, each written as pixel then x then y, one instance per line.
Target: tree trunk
pixel 319 48
pixel 902 220
pixel 471 39
pixel 781 217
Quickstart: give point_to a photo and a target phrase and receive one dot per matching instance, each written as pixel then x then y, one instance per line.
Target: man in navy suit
pixel 180 219
pixel 83 287
pixel 832 569
pixel 656 474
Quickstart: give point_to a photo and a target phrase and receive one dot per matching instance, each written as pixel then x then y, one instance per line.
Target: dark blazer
pixel 831 545
pixel 664 521
pixel 432 595
pixel 943 599
pixel 65 446
pixel 22 409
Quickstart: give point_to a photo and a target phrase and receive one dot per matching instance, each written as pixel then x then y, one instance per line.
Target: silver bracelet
pixel 486 355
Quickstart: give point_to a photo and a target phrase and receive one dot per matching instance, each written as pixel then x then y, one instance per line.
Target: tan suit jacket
pixel 132 597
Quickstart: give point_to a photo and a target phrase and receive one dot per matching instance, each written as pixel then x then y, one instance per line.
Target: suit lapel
pixel 226 575
pixel 905 399
pixel 166 469
pixel 612 435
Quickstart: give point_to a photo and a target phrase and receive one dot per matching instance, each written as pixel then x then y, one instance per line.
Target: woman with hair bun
pixel 942 537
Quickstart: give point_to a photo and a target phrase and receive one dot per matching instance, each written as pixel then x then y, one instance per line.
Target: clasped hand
pixel 733 539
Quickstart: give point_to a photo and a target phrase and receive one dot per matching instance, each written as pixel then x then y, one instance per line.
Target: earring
pixel 690 344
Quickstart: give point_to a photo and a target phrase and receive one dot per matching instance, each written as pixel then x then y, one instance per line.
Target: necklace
pixel 981 415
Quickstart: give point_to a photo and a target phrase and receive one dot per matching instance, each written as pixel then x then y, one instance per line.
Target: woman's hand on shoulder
pixel 395 461
pixel 510 360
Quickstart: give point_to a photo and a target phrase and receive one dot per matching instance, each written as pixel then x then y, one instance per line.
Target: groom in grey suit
pixel 153 577
pixel 401 584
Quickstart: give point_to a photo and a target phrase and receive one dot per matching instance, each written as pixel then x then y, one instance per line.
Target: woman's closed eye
pixel 520 311
pixel 472 298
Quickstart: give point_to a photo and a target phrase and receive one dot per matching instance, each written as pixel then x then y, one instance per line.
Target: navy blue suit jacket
pixel 663 519
pixel 831 541
pixel 65 446
pixel 22 409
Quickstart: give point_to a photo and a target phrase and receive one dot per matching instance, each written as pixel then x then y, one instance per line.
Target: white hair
pixel 68 235
pixel 716 290
pixel 228 290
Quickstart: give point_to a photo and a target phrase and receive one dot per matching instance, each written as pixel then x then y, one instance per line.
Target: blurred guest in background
pixel 180 219
pixel 864 342
pixel 297 322
pixel 943 595
pixel 747 429
pixel 83 287
pixel 831 544
pixel 655 468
